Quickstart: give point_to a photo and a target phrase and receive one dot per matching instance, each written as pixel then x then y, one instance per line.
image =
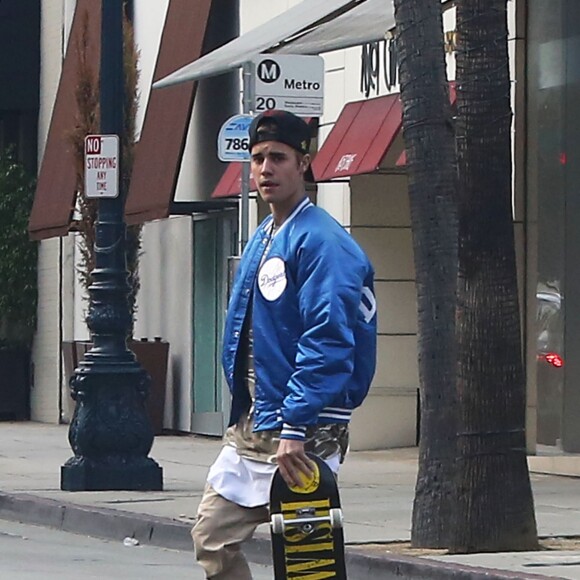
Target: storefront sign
pixel 379 63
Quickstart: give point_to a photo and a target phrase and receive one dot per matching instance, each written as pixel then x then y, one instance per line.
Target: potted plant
pixel 152 355
pixel 18 290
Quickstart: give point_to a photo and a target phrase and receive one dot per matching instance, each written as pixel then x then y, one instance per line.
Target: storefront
pixel 552 183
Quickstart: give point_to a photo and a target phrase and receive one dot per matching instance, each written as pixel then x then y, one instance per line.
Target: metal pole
pixel 110 433
pixel 247 72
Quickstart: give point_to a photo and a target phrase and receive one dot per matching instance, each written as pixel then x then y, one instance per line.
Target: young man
pixel 299 348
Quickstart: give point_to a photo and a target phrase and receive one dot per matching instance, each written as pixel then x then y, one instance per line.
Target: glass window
pixel 546 174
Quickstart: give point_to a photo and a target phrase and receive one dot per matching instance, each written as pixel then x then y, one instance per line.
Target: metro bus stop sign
pixel 291 82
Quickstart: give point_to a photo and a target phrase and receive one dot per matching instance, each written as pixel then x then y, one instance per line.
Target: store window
pixel 553 148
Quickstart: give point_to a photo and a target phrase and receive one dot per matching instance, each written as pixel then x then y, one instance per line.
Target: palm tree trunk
pixel 429 139
pixel 494 508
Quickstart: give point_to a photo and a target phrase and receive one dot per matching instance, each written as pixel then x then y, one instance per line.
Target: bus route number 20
pixel 265 103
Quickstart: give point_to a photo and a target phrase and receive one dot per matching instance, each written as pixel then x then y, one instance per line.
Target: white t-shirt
pixel 245 481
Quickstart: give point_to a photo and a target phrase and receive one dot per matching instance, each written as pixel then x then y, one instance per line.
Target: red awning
pixel 158 157
pixel 231 182
pixel 57 180
pixel 359 140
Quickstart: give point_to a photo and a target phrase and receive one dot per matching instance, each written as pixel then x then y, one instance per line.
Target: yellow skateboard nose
pixel 310 483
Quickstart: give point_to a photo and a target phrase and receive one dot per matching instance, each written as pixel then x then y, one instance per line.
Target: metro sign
pixel 101 166
pixel 293 83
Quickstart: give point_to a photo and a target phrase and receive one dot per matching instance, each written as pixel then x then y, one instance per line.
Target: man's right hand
pixel 292 461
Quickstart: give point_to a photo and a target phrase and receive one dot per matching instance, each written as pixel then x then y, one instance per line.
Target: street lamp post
pixel 110 432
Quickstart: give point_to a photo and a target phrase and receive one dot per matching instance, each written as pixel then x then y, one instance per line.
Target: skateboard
pixel 306 527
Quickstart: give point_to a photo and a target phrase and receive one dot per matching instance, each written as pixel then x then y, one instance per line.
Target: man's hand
pixel 292 460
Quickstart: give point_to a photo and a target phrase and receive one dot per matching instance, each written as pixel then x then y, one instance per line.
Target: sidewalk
pixel 377 494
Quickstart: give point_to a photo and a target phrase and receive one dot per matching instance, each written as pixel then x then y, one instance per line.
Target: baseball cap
pixel 283 127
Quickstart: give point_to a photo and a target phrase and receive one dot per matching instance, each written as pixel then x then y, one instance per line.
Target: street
pixel 30 552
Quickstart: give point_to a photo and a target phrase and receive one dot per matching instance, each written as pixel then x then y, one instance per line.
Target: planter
pixel 153 356
pixel 14 384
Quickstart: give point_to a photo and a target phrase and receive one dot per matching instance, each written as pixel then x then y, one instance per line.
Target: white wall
pixel 44 403
pixel 381 224
pixel 44 397
pixel 165 308
pixel 52 55
pixel 149 18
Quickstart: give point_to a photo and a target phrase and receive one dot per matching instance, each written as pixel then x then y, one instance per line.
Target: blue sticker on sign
pixel 233 139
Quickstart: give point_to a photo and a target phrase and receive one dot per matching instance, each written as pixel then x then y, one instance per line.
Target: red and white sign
pixel 101 166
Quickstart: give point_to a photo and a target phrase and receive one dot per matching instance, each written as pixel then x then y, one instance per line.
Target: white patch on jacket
pixel 272 279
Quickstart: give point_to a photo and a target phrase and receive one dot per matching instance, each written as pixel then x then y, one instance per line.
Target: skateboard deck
pixel 306 527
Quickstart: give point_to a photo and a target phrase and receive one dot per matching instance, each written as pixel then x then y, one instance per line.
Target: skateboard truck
pixel 279 524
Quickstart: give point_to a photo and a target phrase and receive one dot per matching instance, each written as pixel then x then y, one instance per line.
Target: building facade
pixel 185 251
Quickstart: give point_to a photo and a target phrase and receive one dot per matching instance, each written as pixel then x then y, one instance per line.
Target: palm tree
pixel 494 506
pixel 429 140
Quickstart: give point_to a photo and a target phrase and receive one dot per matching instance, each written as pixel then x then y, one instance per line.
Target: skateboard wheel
pixel 277 523
pixel 336 518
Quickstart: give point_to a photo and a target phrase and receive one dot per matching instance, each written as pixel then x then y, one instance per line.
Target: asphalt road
pixel 30 552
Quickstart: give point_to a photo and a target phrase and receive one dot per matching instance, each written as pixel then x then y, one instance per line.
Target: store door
pixel 214 241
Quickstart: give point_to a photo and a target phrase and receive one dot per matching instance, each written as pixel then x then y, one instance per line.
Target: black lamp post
pixel 110 432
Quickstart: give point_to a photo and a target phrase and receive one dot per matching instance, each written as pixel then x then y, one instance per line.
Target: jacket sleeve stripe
pixel 291 432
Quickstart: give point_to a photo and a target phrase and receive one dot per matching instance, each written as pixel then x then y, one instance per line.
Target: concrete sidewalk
pixel 377 493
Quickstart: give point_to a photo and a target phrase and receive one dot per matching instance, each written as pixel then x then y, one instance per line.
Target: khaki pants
pixel 221 528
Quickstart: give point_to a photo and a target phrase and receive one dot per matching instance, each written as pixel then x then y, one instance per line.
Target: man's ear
pixel 305 163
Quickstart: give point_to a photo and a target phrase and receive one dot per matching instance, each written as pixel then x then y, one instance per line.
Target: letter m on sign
pixel 268 71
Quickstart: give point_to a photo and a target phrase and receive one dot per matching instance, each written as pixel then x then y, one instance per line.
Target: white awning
pixel 311 27
pixel 367 22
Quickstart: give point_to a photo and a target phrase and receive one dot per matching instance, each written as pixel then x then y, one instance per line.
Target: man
pixel 299 348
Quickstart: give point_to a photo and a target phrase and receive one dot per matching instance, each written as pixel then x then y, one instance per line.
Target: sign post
pixel 247 75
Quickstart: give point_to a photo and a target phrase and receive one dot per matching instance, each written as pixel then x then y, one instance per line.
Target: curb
pixel 397 567
pixel 104 523
pixel 113 524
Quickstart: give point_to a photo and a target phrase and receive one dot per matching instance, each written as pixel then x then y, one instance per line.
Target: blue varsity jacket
pixel 314 324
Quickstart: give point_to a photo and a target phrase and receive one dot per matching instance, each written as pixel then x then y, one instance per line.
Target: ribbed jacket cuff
pixel 292 432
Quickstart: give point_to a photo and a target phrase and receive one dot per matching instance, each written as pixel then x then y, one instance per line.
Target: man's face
pixel 278 171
